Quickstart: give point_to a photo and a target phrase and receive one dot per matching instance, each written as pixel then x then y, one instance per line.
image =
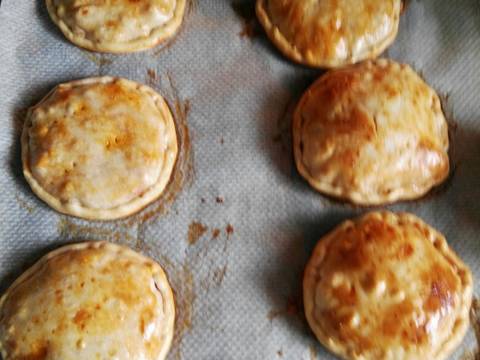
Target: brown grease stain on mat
pixel 99 60
pixel 70 230
pixel 215 233
pixel 229 229
pixel 246 12
pixel 183 171
pixel 24 204
pixel 195 232
pixel 475 322
pixel 182 282
pixel 219 275
pixel 290 309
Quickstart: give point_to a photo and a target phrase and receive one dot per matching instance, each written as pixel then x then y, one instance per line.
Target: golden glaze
pixel 387 286
pixel 330 33
pixel 99 148
pixel 93 300
pixel 371 133
pixel 117 26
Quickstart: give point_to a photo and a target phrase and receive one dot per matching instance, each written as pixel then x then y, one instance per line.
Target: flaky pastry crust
pixel 119 26
pixel 86 301
pixel 371 133
pixel 99 148
pixel 330 33
pixel 387 286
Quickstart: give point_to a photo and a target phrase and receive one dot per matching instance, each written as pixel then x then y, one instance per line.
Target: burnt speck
pixel 215 233
pixel 219 200
pixel 195 232
pixel 229 229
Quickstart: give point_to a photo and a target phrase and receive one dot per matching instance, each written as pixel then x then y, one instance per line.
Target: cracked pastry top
pixel 371 133
pixel 330 33
pixel 99 148
pixel 117 26
pixel 387 286
pixel 93 300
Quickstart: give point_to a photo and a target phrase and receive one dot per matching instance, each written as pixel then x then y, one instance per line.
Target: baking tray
pixel 237 223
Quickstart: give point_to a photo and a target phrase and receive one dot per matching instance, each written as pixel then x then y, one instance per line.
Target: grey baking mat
pixel 235 230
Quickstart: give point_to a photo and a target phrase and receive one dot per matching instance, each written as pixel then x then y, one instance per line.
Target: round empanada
pixel 99 148
pixel 330 33
pixel 118 26
pixel 93 300
pixel 387 286
pixel 372 133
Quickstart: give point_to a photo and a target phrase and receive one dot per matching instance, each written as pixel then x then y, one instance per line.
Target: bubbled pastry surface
pixel 387 286
pixel 92 300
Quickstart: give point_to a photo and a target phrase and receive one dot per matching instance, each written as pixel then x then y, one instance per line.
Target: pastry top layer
pixel 117 25
pixel 330 33
pixel 100 147
pixel 387 286
pixel 92 300
pixel 371 133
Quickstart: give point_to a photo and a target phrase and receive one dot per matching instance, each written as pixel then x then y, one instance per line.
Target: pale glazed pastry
pixel 117 26
pixel 93 300
pixel 371 133
pixel 387 287
pixel 99 148
pixel 330 33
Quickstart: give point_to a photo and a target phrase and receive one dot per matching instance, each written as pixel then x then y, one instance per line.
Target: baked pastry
pixel 387 286
pixel 372 133
pixel 330 33
pixel 119 26
pixel 99 148
pixel 93 300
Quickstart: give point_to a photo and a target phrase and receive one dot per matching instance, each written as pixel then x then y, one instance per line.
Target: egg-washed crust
pixel 438 297
pixel 138 202
pixel 309 56
pixel 348 104
pixel 80 253
pixel 156 36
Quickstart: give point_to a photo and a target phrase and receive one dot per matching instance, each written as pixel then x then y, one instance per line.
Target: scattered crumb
pixel 229 230
pixel 219 200
pixel 313 352
pixel 280 353
pixel 222 141
pixel 202 200
pixel 195 232
pixel 215 233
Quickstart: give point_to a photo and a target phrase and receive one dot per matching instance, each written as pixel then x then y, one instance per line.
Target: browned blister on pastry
pixel 387 286
pixel 330 33
pixel 372 133
pixel 93 300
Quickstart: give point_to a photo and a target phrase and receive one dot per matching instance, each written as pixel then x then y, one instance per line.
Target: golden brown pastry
pixel 93 300
pixel 99 148
pixel 371 133
pixel 117 26
pixel 387 286
pixel 330 33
